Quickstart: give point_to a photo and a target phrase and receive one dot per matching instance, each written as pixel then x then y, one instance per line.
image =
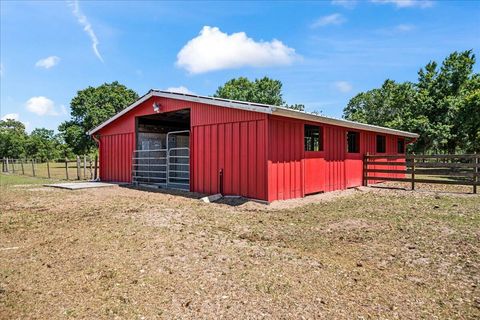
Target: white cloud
pixel 63 109
pixel 332 19
pixel 406 3
pixel 398 29
pixel 343 86
pixel 12 116
pixel 404 28
pixel 48 62
pixel 87 27
pixel 180 89
pixel 348 4
pixel 41 106
pixel 214 50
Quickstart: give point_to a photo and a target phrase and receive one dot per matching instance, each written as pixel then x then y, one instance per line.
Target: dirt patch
pixel 126 253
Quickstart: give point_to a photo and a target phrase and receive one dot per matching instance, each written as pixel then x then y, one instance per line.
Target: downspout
pixel 96 177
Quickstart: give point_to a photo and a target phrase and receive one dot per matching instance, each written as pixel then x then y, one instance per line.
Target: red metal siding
pixel 261 156
pixel 221 138
pixel 239 149
pixel 116 157
pixel 293 172
pixel 285 156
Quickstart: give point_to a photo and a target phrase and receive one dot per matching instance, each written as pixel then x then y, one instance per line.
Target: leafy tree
pixel 42 144
pixel 89 108
pixel 264 90
pixel 442 106
pixel 12 139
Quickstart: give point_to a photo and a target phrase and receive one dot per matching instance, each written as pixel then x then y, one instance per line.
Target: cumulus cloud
pixel 48 62
pixel 180 89
pixel 11 116
pixel 343 86
pixel 332 19
pixel 87 27
pixel 213 50
pixel 348 4
pixel 406 3
pixel 41 106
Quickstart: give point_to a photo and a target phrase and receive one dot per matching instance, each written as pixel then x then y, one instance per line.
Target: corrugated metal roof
pixel 257 107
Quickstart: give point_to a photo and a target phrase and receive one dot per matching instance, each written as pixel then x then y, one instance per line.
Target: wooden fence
pixel 80 168
pixel 454 169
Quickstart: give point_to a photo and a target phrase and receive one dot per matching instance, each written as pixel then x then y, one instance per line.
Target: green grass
pixel 12 179
pixel 57 170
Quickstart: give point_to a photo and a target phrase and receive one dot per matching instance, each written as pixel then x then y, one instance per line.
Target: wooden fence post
pixel 13 166
pixel 23 169
pixel 475 177
pixel 6 165
pixel 90 164
pixel 365 167
pixel 48 169
pixel 66 167
pixel 96 167
pixel 413 170
pixel 84 167
pixel 78 167
pixel 33 167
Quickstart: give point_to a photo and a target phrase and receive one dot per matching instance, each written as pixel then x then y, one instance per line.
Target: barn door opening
pixel 162 155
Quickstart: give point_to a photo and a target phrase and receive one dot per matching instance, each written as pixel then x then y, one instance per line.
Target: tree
pixel 89 108
pixel 12 139
pixel 42 144
pixel 442 106
pixel 264 90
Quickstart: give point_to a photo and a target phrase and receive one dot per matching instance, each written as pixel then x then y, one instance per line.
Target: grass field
pixel 57 170
pixel 125 253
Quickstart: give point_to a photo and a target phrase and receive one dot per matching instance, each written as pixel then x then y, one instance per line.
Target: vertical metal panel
pixel 285 154
pixel 115 157
pixel 237 149
pixel 332 169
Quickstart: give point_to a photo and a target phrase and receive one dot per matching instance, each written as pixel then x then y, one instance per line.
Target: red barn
pixel 212 145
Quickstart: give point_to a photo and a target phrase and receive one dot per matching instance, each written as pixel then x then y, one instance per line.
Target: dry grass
pixel 124 253
pixel 57 170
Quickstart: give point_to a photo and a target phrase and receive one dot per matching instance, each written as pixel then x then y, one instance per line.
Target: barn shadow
pixel 230 201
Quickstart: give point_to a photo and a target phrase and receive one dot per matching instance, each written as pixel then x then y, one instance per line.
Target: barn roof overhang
pixel 256 107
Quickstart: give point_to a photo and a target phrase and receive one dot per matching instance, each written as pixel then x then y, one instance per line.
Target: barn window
pixel 353 142
pixel 381 144
pixel 400 145
pixel 313 138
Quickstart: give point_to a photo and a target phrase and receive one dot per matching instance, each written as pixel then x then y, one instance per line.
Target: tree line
pixel 443 106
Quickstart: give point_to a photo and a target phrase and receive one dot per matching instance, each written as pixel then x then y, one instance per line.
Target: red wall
pixel 293 172
pixel 221 138
pixel 262 156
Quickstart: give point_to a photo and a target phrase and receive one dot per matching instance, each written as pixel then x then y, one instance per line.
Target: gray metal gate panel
pixel 167 168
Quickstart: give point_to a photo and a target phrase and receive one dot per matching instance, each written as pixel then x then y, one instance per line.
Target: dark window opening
pixel 400 145
pixel 381 144
pixel 313 138
pixel 353 142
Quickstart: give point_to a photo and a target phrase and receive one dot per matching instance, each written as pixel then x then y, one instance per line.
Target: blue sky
pixel 323 52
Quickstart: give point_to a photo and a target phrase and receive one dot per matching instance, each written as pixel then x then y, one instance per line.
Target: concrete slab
pixel 80 185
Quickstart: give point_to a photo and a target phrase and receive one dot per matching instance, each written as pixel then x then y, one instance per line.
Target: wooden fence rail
pixel 453 169
pixel 81 168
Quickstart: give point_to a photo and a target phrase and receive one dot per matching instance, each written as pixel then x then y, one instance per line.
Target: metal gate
pixel 166 168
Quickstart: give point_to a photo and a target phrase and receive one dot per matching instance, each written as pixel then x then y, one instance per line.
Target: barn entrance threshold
pixel 80 185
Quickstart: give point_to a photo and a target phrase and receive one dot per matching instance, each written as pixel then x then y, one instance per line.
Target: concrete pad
pixel 80 185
